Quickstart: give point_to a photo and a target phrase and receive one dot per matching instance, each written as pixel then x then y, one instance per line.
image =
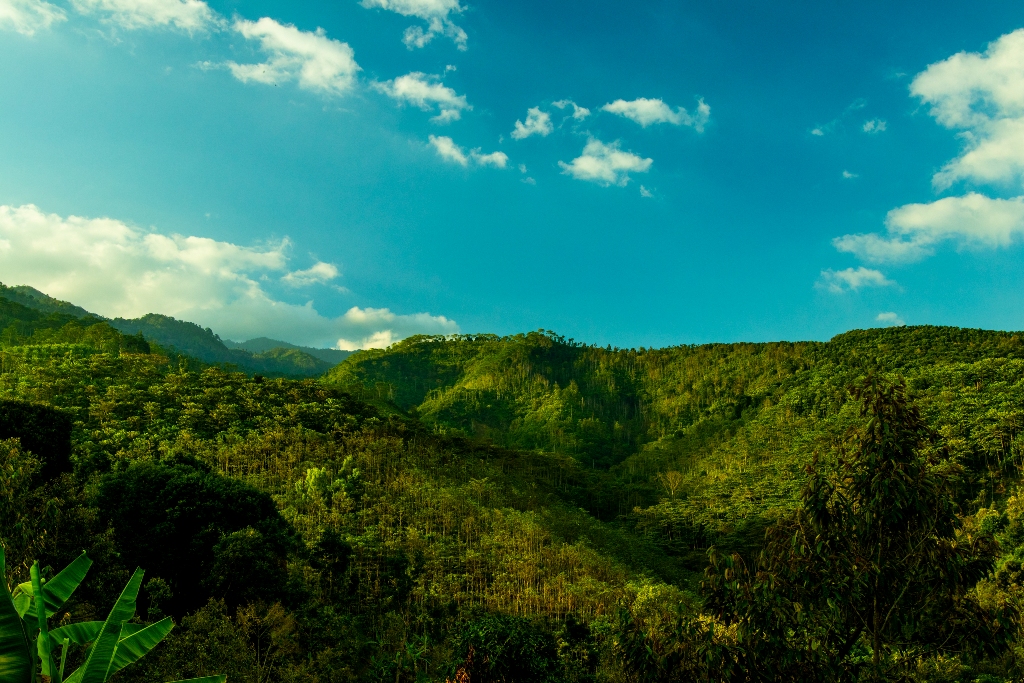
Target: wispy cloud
pixel 605 164
pixel 912 231
pixel 578 113
pixel 187 15
pixel 852 279
pixel 453 153
pixel 115 269
pixel 315 61
pixel 427 93
pixel 28 16
pixel 318 273
pixel 437 14
pixel 537 123
pixel 647 112
pixel 850 176
pixel 824 129
pixel 874 126
pixel 890 319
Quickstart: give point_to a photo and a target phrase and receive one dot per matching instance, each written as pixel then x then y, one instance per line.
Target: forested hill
pixel 24 311
pixel 527 508
pixel 735 424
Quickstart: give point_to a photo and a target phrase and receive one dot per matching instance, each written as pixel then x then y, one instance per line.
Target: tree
pixel 876 558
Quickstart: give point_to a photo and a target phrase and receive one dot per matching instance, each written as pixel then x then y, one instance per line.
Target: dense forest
pixel 525 508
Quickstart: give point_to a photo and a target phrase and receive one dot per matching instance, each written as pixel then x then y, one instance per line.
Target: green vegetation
pixel 528 508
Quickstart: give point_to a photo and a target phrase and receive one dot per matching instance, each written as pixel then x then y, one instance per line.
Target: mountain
pixel 193 340
pixel 28 310
pixel 263 345
pixel 527 507
pixel 36 300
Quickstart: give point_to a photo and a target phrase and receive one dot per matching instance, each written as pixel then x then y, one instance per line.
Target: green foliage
pixel 203 533
pixel 192 340
pixel 42 430
pixel 505 649
pixel 529 494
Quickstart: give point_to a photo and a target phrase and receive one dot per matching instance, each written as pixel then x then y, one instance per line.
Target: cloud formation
pixel 187 15
pixel 451 152
pixel 437 14
pixel 579 113
pixel 605 164
pixel 427 93
pixel 853 279
pixel 648 112
pixel 981 95
pixel 28 16
pixel 318 273
pixel 890 319
pixel 912 231
pixel 115 269
pixel 874 126
pixel 537 123
pixel 315 61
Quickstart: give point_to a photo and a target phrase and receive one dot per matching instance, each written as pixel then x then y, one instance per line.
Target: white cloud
pixel 28 16
pixel 981 95
pixel 436 13
pixel 426 92
pixel 848 175
pixel 118 270
pixel 605 164
pixel 874 126
pixel 644 192
pixel 579 113
pixel 449 151
pixel 853 279
pixel 496 159
pixel 647 112
pixel 890 319
pixel 187 15
pixel 818 132
pixel 537 123
pixel 318 273
pixel 317 62
pixel 973 220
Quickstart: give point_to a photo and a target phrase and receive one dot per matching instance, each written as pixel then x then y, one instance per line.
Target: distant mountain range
pixel 261 355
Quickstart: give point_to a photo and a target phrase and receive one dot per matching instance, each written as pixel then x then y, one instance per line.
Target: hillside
pixel 448 501
pixel 263 345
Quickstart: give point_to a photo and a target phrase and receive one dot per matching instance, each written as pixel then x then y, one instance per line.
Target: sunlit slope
pixel 705 440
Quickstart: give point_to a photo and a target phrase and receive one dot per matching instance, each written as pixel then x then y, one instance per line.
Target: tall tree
pixel 877 558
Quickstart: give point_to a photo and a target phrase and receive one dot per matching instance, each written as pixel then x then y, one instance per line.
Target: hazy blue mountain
pixel 202 343
pixel 263 345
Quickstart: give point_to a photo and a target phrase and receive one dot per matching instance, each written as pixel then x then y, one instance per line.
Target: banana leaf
pixel 219 678
pixel 57 590
pixel 101 654
pixel 131 648
pixel 15 649
pixel 82 633
pixel 128 629
pixel 22 603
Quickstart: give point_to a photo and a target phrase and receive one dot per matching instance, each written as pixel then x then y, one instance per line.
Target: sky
pixel 636 174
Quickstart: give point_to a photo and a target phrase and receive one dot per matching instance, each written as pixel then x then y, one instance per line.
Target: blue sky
pixel 634 174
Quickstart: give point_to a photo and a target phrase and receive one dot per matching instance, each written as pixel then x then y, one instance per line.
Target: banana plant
pixel 27 644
